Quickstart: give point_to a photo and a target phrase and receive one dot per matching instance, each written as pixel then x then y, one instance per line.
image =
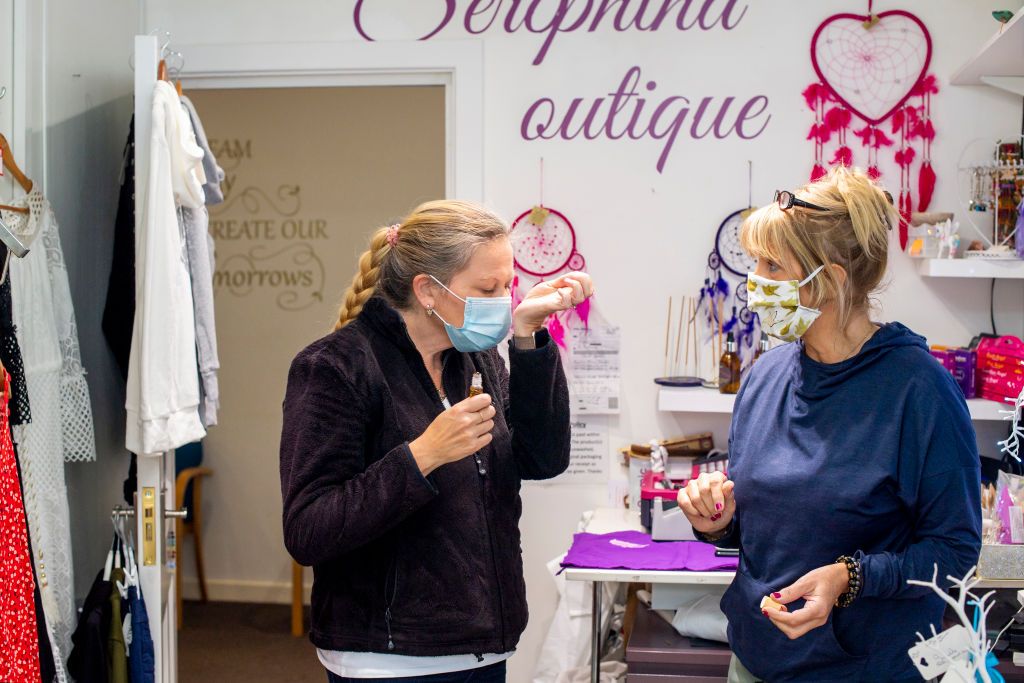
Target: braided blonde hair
pixel 438 238
pixel 853 233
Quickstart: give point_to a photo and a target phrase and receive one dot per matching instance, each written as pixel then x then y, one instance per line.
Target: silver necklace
pixel 859 346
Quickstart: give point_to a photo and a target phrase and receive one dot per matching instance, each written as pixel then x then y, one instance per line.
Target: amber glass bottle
pixel 729 368
pixel 477 386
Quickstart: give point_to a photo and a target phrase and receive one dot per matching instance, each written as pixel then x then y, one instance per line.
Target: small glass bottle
pixel 477 386
pixel 762 347
pixel 729 368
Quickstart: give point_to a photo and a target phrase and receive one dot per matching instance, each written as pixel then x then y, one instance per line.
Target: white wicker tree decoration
pixel 1012 444
pixel 980 645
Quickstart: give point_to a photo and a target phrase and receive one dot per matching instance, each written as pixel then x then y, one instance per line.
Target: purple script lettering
pixel 622 114
pixel 568 16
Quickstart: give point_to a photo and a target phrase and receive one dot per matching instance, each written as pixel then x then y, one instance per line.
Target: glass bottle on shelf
pixel 729 368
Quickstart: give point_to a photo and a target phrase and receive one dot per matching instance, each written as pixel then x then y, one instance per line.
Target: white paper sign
pixel 961 672
pixel 941 653
pixel 588 462
pixel 595 378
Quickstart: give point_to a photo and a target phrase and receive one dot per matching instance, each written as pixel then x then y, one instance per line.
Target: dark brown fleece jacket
pixel 407 564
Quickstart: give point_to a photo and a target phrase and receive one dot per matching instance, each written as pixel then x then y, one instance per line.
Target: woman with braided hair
pixel 400 488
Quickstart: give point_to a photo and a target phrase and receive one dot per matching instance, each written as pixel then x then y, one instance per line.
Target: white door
pixel 156 558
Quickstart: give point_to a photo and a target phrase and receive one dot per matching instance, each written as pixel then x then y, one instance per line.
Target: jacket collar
pixel 387 322
pixel 384 321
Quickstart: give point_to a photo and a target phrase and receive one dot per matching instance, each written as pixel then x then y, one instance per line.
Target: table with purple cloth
pixel 637 551
pixel 627 555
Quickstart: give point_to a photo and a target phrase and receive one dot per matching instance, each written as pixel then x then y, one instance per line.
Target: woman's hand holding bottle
pixel 460 431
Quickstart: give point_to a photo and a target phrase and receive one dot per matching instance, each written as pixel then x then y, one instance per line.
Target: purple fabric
pixel 636 550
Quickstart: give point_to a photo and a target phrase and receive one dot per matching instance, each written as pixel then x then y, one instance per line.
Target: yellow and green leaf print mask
pixel 777 303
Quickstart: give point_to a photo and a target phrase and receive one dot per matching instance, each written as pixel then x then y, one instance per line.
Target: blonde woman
pixel 401 492
pixel 853 461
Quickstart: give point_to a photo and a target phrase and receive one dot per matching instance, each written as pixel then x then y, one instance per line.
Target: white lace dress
pixel 61 427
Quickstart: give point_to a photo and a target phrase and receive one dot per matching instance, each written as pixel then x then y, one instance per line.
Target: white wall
pixel 644 234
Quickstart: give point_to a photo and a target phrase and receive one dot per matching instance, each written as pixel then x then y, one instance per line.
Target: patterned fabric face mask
pixel 777 303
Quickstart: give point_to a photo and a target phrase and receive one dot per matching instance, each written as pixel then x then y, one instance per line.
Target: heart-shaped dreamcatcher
pixel 544 245
pixel 875 67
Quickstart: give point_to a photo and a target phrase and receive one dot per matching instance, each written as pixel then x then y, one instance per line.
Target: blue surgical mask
pixel 485 324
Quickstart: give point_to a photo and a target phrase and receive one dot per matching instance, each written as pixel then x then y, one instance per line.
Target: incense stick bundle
pixel 689 325
pixel 668 331
pixel 679 335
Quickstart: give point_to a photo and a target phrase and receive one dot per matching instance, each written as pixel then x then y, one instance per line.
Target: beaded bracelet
pixel 856 581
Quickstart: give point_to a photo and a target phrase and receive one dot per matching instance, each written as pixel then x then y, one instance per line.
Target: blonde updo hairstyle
pixel 853 233
pixel 438 238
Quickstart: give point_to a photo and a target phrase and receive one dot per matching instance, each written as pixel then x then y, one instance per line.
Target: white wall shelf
pixel 700 400
pixel 694 400
pixel 969 267
pixel 1000 62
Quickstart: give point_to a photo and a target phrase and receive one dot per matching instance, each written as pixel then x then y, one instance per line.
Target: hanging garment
pixel 62 417
pixel 116 649
pixel 19 657
pixel 47 659
pixel 214 173
pixel 142 660
pixel 89 660
pixel 75 407
pixel 119 310
pixel 163 383
pixel 195 223
pixel 10 354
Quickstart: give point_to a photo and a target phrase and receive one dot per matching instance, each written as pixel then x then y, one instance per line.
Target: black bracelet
pixel 856 581
pixel 716 537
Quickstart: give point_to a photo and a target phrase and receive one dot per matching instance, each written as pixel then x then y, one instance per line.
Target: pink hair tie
pixel 393 234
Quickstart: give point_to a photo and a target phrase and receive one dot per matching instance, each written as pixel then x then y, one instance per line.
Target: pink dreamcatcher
pixel 544 245
pixel 874 68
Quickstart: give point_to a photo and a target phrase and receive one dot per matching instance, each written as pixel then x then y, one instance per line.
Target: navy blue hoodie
pixel 873 456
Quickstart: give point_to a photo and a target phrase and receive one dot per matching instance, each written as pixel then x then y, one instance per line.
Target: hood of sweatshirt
pixel 819 380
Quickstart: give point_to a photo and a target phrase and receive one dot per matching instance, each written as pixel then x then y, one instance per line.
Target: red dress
pixel 19 655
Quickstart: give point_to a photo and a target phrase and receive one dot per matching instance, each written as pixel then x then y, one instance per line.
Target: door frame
pixel 456 65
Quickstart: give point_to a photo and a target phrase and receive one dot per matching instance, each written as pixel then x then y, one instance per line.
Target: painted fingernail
pixel 776 595
pixel 764 612
pixel 718 506
pixel 715 518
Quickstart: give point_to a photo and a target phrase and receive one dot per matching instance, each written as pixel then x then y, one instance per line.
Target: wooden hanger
pixel 161 74
pixel 12 166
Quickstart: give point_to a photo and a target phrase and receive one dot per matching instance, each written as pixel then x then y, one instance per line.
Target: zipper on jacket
pixel 389 600
pixel 482 471
pixel 490 543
